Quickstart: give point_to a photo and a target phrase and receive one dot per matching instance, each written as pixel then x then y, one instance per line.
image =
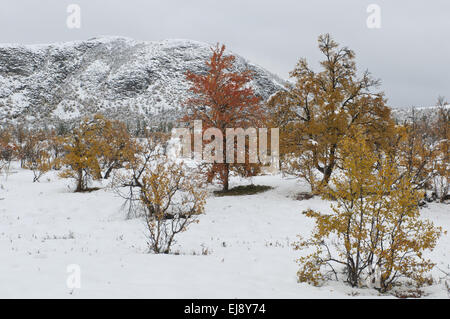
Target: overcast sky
pixel 410 53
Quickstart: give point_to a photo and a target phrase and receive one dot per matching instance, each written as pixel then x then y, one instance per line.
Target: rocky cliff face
pixel 120 77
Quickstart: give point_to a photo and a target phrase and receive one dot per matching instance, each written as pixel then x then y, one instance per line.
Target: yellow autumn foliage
pixel 375 225
pixel 94 149
pixel 321 108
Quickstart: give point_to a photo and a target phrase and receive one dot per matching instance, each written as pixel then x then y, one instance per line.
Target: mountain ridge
pixel 119 76
pixel 127 79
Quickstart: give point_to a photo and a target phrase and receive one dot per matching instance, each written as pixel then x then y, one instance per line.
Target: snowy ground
pixel 247 242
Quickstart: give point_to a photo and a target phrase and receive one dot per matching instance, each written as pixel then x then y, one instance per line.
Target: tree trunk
pixel 226 177
pixel 327 175
pixel 108 172
pixel 327 170
pixel 80 181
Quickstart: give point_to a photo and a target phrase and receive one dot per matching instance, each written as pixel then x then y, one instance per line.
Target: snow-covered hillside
pixel 405 114
pixel 242 246
pixel 119 76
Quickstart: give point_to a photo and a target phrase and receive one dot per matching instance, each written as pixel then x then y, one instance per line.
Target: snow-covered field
pixel 241 248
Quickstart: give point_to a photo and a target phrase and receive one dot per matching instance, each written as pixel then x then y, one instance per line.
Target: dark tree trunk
pixel 327 170
pixel 326 175
pixel 226 177
pixel 80 181
pixel 108 172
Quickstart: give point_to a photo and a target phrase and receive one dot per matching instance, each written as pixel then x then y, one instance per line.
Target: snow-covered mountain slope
pixel 121 77
pixel 407 114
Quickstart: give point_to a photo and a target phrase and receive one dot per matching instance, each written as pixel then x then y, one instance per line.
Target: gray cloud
pixel 409 53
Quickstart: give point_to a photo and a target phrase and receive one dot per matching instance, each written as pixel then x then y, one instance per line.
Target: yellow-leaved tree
pixel 171 201
pixel 95 149
pixel 374 234
pixel 415 151
pixel 82 147
pixel 166 192
pixel 319 110
pixel 38 158
pixel 116 146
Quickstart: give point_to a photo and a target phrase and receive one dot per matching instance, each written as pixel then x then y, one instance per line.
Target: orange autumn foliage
pixel 222 98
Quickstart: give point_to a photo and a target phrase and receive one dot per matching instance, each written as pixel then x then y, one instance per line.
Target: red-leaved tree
pixel 224 99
